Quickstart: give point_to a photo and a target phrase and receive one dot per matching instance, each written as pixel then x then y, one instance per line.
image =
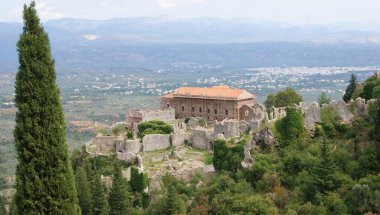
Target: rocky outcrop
pixel 265 138
pixel 312 115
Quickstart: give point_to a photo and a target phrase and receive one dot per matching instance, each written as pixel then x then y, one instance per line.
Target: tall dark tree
pixel 350 88
pixel 44 177
pixel 118 197
pixel 99 204
pixel 139 181
pixel 83 188
pixel 2 206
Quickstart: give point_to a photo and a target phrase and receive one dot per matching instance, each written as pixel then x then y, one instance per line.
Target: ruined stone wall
pixel 203 137
pixel 229 128
pixel 179 127
pixel 165 115
pixel 133 146
pixel 179 139
pixel 104 144
pixel 343 110
pixel 275 114
pixel 256 112
pixel 153 142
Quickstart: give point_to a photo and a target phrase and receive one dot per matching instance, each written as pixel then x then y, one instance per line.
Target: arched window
pixel 183 108
pixel 226 112
pixel 208 110
pixel 200 110
pixel 192 109
pixel 215 111
pixel 167 105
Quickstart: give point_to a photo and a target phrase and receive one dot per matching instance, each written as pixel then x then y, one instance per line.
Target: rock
pixel 165 157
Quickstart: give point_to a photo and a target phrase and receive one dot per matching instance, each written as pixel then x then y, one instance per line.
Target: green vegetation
pixel 139 181
pixel 350 90
pixel 284 98
pixel 118 196
pixel 323 99
pixel 228 155
pixel 290 128
pixel 44 178
pixel 84 193
pixel 154 127
pixel 2 206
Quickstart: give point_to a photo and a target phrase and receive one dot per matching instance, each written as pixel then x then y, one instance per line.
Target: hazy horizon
pixel 354 14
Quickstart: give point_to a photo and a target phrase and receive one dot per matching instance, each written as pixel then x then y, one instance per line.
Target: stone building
pixel 136 116
pixel 214 103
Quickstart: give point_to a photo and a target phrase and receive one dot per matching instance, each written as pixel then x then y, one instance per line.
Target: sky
pixel 294 12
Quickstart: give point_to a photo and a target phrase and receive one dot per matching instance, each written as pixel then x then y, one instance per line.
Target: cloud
pixel 170 4
pixel 90 37
pixel 46 12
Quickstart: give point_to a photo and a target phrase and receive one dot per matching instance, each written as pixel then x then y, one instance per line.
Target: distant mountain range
pixel 162 41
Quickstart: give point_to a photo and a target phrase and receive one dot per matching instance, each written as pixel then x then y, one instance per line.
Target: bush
pixel 154 127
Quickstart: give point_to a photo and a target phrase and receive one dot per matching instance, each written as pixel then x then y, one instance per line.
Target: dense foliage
pixel 44 178
pixel 154 127
pixel 350 89
pixel 287 97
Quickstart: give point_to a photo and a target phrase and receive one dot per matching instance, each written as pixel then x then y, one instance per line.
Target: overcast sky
pixel 296 12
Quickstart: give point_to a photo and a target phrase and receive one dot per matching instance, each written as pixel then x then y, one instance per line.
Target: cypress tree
pixel 44 177
pixel 139 181
pixel 350 88
pixel 118 197
pixel 83 187
pixel 99 204
pixel 2 206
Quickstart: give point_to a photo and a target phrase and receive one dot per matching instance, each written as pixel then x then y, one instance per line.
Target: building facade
pixel 214 103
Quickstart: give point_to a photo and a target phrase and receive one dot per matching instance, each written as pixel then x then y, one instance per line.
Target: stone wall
pixel 104 144
pixel 312 115
pixel 203 137
pixel 343 110
pixel 255 112
pixel 137 115
pixel 133 146
pixel 229 128
pixel 153 142
pixel 275 114
pixel 179 139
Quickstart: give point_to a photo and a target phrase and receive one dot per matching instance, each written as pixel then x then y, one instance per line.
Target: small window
pixel 246 113
pixel 192 109
pixel 215 111
pixel 226 112
pixel 167 105
pixel 200 110
pixel 208 110
pixel 183 108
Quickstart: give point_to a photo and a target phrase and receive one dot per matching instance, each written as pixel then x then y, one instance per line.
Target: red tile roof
pixel 221 91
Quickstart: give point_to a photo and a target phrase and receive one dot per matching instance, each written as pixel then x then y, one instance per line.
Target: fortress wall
pixel 133 146
pixel 179 139
pixel 153 142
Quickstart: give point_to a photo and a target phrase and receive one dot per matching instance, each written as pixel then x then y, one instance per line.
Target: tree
pixel 2 206
pixel 290 127
pixel 350 88
pixel 118 197
pixel 44 177
pixel 84 193
pixel 323 99
pixel 284 98
pixel 99 205
pixel 174 204
pixel 322 175
pixel 139 181
pixel 359 199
